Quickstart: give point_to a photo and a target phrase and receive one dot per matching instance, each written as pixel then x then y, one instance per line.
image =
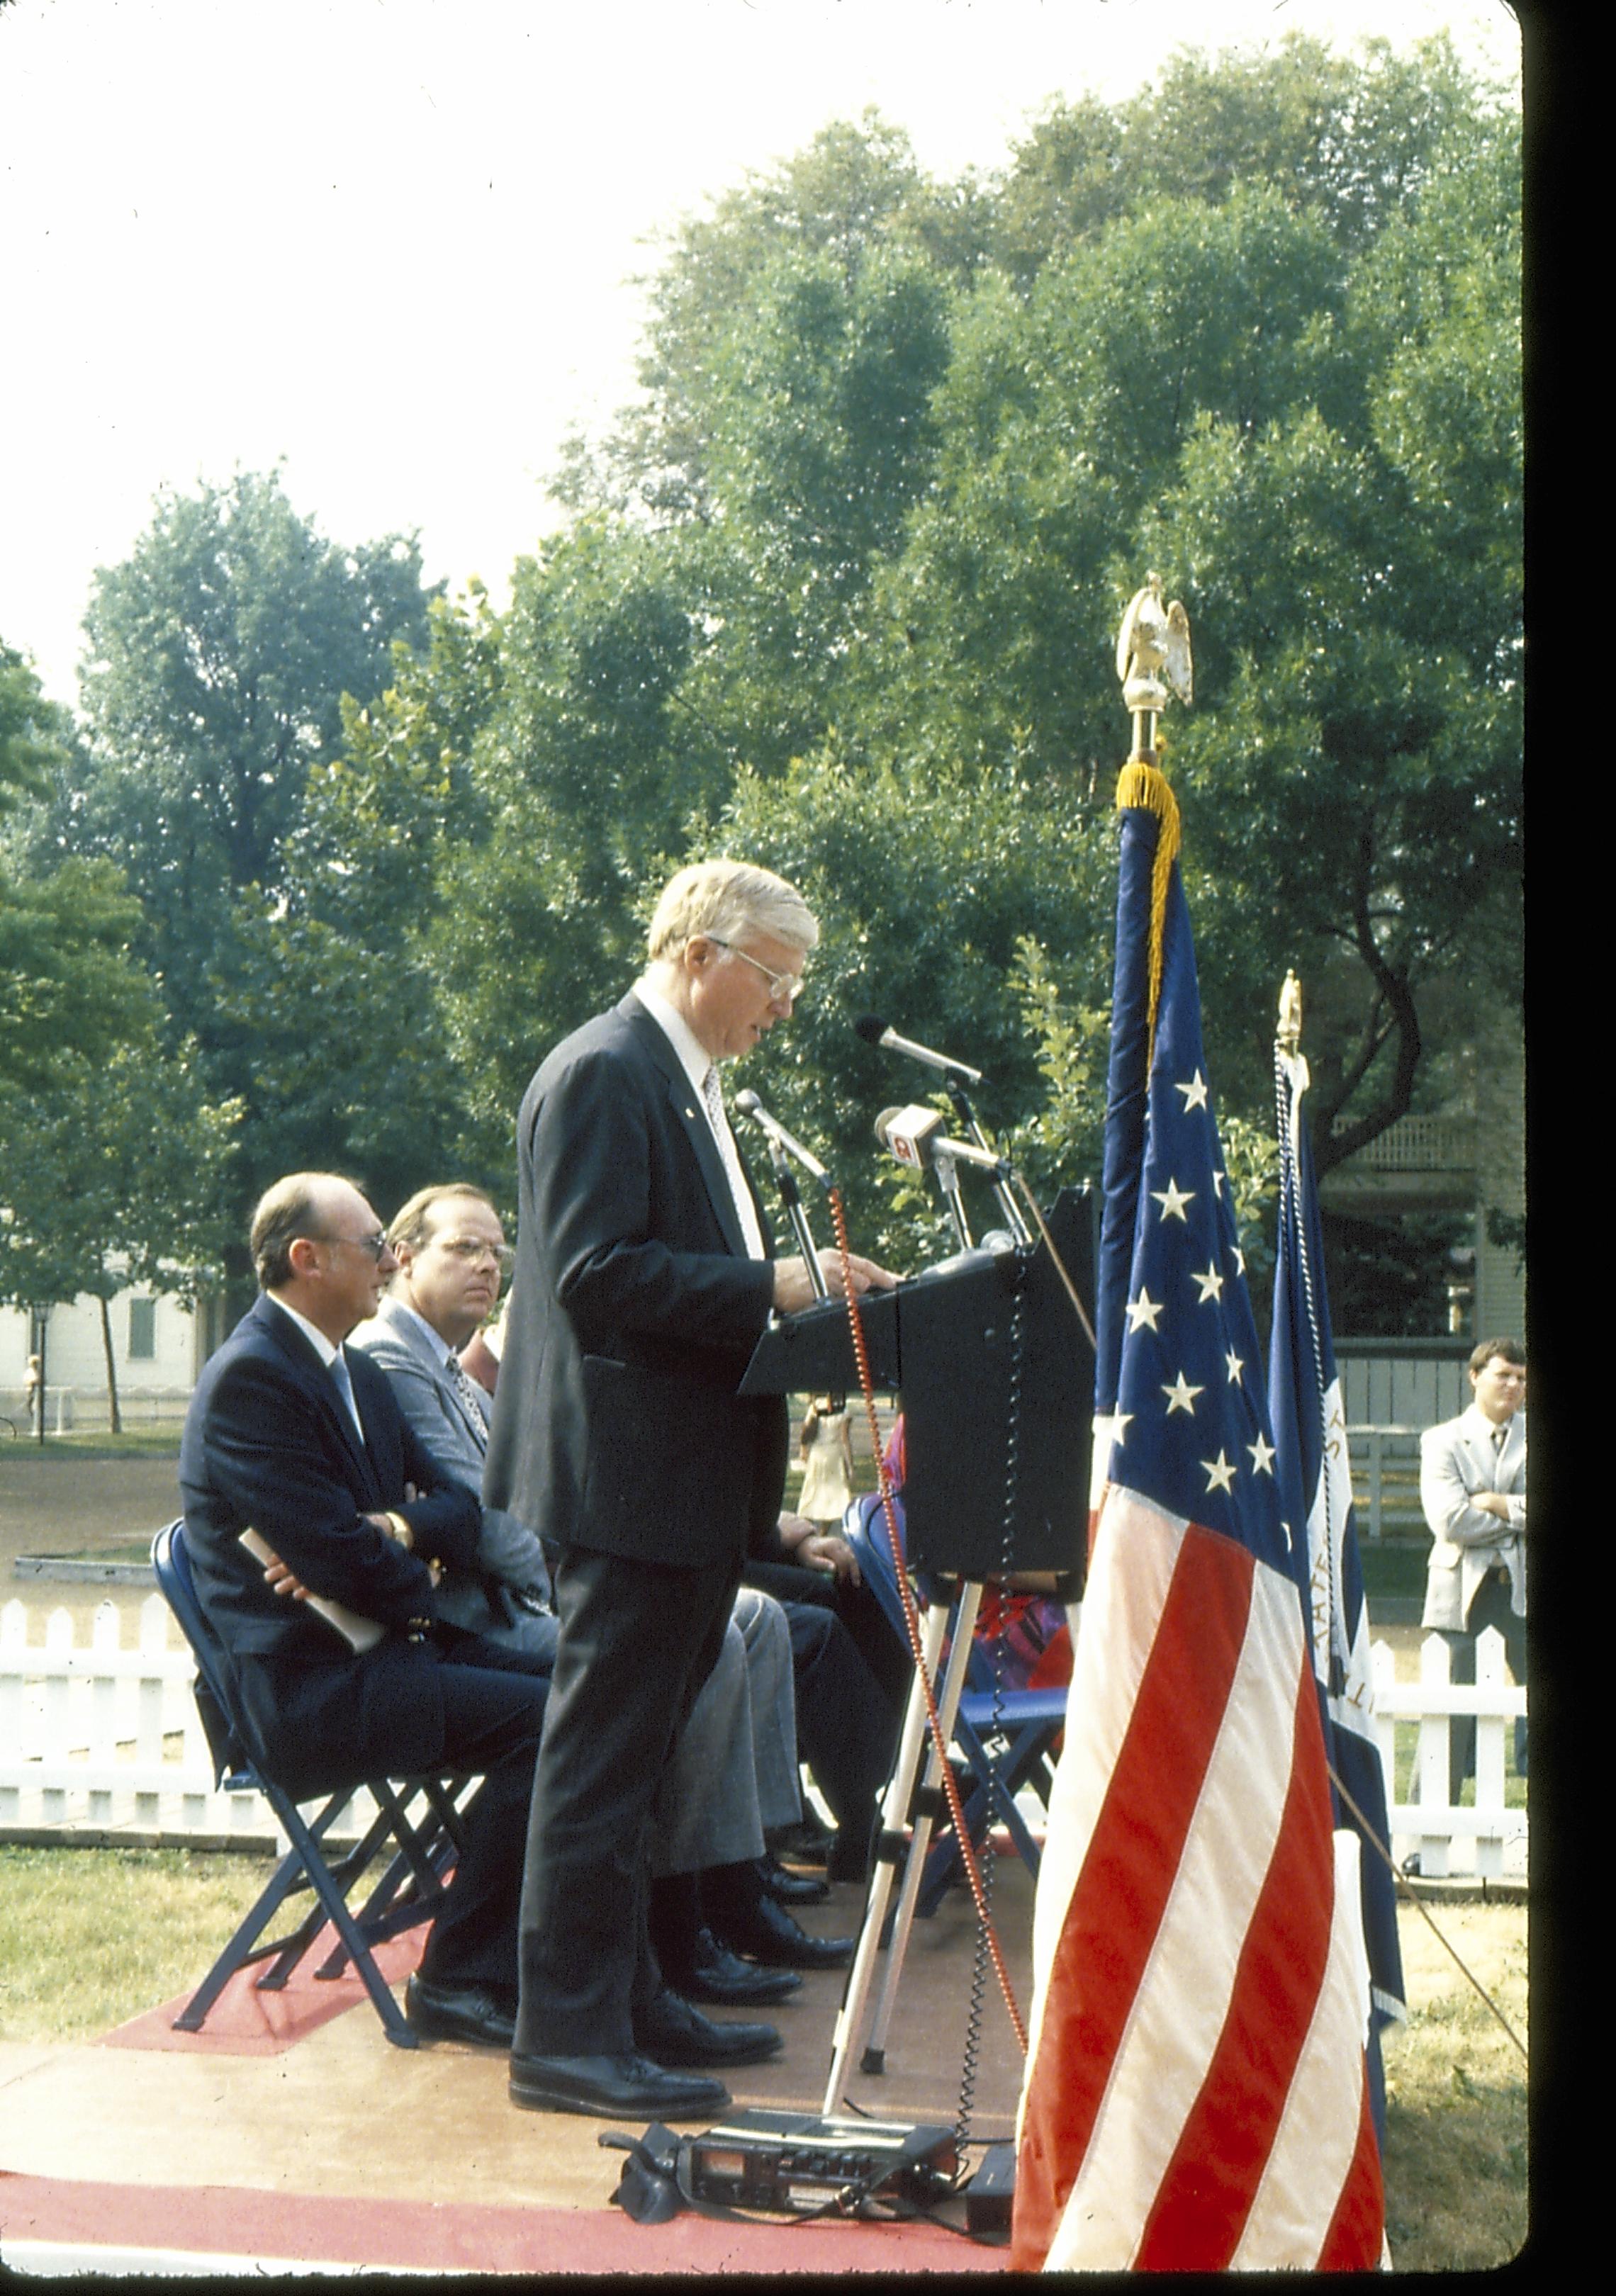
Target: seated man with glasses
pixel 452 1259
pixel 297 1443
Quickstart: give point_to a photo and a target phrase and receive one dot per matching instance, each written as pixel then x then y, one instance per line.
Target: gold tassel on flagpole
pixel 1147 786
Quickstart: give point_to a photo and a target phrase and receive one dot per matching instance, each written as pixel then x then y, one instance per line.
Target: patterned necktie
pixel 746 1211
pixel 345 1388
pixel 472 1397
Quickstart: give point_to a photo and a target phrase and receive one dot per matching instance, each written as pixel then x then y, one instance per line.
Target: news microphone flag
pixel 1310 1423
pixel 1196 2095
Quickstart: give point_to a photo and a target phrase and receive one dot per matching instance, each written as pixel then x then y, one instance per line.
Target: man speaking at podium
pixel 644 1276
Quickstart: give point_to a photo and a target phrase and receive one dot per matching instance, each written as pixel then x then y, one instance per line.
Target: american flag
pixel 1310 1423
pixel 1196 2095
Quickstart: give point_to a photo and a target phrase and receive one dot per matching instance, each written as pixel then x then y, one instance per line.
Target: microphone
pixel 749 1104
pixel 875 1032
pixel 905 1132
pixel 912 1134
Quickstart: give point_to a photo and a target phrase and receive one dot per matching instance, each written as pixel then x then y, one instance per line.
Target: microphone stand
pixel 1008 1207
pixel 791 1196
pixel 947 1175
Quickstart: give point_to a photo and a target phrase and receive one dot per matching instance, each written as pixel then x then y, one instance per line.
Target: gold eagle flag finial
pixel 1153 656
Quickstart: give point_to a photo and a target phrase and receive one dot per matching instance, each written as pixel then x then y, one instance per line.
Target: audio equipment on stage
pixel 793 2163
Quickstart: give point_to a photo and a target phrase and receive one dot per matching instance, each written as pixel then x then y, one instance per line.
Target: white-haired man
pixel 643 1279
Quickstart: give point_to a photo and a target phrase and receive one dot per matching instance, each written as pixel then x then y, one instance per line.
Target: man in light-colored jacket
pixel 1473 1489
pixel 452 1260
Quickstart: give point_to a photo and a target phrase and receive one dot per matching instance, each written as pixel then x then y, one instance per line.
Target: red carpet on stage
pixel 245 2022
pixel 440 2236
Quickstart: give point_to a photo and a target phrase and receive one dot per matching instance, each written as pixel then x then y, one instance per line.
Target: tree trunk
pixel 114 1420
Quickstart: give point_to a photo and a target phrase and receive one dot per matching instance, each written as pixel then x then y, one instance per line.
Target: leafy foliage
pixel 114 1174
pixel 220 655
pixel 840 591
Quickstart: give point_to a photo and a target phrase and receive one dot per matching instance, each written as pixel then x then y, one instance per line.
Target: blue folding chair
pixel 411 1888
pixel 1005 1735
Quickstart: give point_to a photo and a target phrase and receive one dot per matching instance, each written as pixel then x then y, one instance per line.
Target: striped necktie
pixel 473 1399
pixel 746 1211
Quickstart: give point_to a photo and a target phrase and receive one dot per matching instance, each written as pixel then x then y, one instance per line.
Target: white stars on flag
pixel 1142 1311
pixel 1181 1396
pixel 1194 1095
pixel 1211 1281
pixel 1219 1473
pixel 1262 1454
pixel 1172 1200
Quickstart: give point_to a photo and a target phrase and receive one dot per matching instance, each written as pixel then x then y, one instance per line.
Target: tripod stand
pixel 997 1384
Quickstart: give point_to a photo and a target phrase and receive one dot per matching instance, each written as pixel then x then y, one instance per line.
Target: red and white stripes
pixel 1195 2094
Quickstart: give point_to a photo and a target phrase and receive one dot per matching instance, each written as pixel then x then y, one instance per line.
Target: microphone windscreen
pixel 748 1103
pixel 871 1027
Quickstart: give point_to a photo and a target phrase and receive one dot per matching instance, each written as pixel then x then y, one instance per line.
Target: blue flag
pixel 1315 1475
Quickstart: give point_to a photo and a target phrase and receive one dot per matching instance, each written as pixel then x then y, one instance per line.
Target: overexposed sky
pixel 392 242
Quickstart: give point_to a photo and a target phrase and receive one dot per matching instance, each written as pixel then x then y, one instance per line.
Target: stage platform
pixel 291 2137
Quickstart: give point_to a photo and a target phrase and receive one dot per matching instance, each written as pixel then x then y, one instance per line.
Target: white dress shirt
pixel 333 1360
pixel 696 1062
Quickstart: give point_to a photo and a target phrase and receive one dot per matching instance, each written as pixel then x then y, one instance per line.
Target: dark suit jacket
pixel 633 1312
pixel 268 1444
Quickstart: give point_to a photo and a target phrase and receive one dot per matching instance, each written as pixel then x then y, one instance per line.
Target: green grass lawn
pixel 150 1440
pixel 91 1938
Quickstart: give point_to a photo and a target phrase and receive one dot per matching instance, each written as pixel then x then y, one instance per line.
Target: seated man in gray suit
pixel 452 1259
pixel 1473 1489
pixel 733 1773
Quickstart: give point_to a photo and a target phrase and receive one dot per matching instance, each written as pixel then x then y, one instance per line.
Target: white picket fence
pixel 1489 1839
pixel 104 1739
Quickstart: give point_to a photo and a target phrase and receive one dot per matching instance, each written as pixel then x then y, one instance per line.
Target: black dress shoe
pixel 717 1974
pixel 767 1933
pixel 613 2088
pixel 806 1843
pixel 459 2012
pixel 791 1888
pixel 675 2034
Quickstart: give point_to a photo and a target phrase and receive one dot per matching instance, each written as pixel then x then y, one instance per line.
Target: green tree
pixel 71 985
pixel 113 1176
pixel 1356 780
pixel 843 588
pixel 220 655
pixel 1318 438
pixel 944 901
pixel 582 780
pixel 1350 139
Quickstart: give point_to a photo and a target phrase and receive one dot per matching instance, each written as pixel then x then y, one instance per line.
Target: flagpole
pixel 1197 2095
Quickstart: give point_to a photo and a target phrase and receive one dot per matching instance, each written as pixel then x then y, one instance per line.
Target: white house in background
pixel 159 1347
